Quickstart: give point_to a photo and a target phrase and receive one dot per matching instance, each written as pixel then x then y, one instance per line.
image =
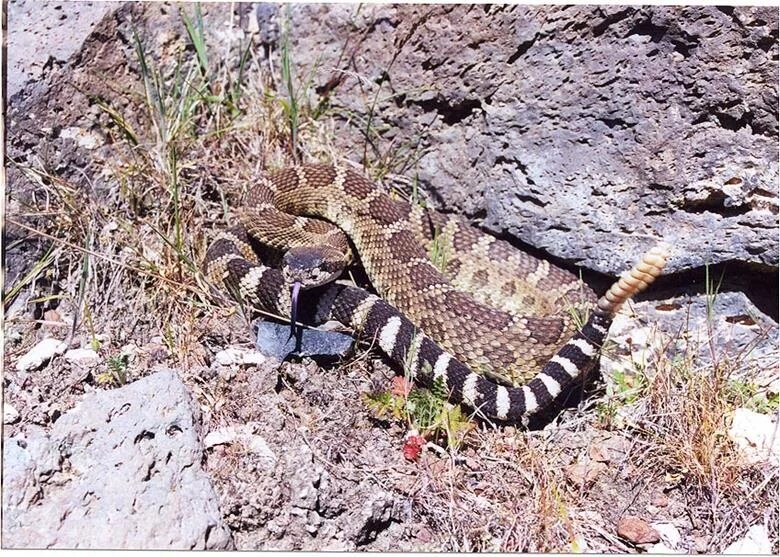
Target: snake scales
pixel 507 349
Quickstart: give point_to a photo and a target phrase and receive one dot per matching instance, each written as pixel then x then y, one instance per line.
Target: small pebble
pixel 660 500
pixel 636 530
pixel 10 414
pixel 82 357
pixel 253 357
pixel 226 373
pixel 424 535
pixel 701 543
pixel 584 473
pixel 669 534
pixel 225 357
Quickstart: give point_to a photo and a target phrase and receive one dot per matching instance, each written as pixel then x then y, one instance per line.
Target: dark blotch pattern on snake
pixel 494 324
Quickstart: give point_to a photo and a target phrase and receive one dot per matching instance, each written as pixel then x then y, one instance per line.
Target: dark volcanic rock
pixel 588 132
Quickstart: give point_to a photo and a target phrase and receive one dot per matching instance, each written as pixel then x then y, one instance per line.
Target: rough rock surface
pixel 121 470
pixel 545 119
pixel 585 132
pixel 61 26
pixel 588 132
pixel 716 328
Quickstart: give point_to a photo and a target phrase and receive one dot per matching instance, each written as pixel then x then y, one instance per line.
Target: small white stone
pixel 226 357
pixel 579 544
pixel 755 542
pixel 669 534
pixel 231 356
pixel 82 357
pixel 84 138
pixel 252 357
pixel 756 435
pixel 222 436
pixel 10 414
pixel 41 353
pixel 242 435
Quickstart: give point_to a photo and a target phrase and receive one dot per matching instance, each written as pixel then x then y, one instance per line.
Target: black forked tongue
pixel 295 291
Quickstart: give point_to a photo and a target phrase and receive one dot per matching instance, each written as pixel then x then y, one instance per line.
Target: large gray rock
pixel 120 470
pixel 588 132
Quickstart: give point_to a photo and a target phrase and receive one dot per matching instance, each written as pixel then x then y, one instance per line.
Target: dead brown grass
pixel 688 407
pixel 125 268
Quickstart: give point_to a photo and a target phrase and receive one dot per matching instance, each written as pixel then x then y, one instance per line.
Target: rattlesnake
pixel 507 349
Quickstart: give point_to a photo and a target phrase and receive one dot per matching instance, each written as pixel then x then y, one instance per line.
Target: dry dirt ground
pixel 106 223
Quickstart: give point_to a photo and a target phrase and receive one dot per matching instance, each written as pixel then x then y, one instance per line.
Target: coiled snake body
pixel 507 348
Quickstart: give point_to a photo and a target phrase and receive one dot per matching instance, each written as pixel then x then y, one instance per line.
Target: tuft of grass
pixel 291 105
pixel 198 38
pixel 295 102
pixel 29 278
pixel 688 409
pixel 626 388
pixel 124 254
pixel 579 313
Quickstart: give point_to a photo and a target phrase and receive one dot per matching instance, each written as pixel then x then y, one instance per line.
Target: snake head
pixel 308 267
pixel 312 266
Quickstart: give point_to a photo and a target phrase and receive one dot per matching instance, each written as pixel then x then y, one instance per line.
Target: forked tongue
pixel 295 290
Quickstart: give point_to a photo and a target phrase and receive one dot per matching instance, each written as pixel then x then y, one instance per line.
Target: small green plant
pixel 747 395
pixel 606 413
pixel 625 388
pixel 628 386
pixel 116 374
pixel 291 105
pixel 425 410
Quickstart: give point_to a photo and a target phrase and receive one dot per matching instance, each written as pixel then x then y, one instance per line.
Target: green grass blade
pixel 198 38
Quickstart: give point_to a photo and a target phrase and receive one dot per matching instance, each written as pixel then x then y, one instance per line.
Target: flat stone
pixel 755 542
pixel 730 319
pixel 756 435
pixel 235 355
pixel 10 414
pixel 226 357
pixel 41 353
pixel 244 436
pixel 585 473
pixel 274 341
pixel 669 533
